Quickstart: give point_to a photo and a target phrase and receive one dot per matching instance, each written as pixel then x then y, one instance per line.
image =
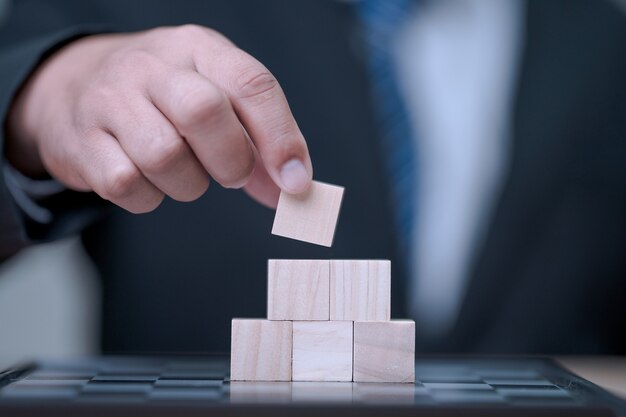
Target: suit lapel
pixel 556 76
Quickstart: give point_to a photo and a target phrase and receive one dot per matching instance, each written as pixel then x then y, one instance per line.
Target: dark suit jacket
pixel 551 275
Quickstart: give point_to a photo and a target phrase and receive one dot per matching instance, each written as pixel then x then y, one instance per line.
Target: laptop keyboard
pixel 139 380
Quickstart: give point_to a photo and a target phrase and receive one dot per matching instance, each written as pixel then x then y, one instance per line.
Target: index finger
pixel 261 106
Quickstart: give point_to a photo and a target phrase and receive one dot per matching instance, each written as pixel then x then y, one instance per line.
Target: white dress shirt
pixel 457 63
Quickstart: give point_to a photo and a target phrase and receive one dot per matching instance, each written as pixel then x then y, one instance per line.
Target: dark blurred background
pixel 515 116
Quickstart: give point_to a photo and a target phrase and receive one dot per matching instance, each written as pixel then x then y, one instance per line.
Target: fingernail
pixel 294 176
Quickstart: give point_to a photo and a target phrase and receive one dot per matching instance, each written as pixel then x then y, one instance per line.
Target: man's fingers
pixel 261 187
pixel 202 113
pixel 262 108
pixel 156 148
pixel 111 174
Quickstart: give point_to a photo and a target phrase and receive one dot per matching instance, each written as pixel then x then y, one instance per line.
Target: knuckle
pixel 256 82
pixel 121 183
pixel 191 31
pixel 166 155
pixel 200 106
pixel 101 94
pixel 163 154
pixel 282 135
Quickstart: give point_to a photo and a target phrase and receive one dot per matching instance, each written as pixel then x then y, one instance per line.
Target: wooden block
pixel 384 351
pixel 360 290
pixel 260 350
pixel 322 351
pixel 298 289
pixel 310 216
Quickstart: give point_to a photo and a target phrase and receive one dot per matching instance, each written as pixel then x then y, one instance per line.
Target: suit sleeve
pixel 69 211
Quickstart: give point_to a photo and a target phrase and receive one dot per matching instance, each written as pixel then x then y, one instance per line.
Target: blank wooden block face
pixel 298 289
pixel 261 350
pixel 310 216
pixel 360 290
pixel 384 351
pixel 322 351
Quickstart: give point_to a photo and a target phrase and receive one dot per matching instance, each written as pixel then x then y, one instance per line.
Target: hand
pixel 138 116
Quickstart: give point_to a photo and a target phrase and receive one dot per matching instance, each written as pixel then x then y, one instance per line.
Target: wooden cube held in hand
pixel 322 351
pixel 260 350
pixel 298 289
pixel 310 216
pixel 360 290
pixel 384 351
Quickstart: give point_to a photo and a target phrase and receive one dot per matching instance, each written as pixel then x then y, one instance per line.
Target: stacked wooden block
pixel 327 320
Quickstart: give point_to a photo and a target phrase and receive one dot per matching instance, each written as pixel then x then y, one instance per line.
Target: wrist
pixel 44 96
pixel 24 120
pixel 20 147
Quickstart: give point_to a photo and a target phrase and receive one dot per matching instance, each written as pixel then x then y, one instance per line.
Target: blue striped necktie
pixel 380 20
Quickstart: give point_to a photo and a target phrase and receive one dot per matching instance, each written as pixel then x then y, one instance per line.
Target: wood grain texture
pixel 322 351
pixel 310 216
pixel 384 351
pixel 261 350
pixel 360 290
pixel 298 289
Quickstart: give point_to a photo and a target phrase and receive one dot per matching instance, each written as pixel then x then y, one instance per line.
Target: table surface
pixel 609 372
